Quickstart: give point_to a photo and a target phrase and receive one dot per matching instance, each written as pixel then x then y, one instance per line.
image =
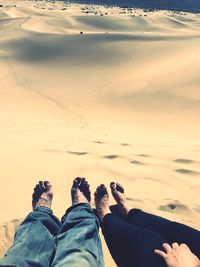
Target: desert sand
pixel 104 93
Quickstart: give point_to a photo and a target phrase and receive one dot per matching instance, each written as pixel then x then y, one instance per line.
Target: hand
pixel 178 256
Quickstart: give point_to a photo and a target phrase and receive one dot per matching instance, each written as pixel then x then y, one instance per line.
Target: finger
pixel 175 246
pixel 184 246
pixel 167 247
pixel 161 253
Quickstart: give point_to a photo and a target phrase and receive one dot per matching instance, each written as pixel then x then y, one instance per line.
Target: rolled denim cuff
pixel 76 206
pixel 44 209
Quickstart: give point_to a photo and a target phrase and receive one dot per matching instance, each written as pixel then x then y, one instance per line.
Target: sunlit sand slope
pixel 105 93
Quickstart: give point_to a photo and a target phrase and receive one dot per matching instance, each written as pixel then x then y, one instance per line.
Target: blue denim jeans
pixel 41 240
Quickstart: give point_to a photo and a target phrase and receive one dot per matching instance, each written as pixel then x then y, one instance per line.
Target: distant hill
pixel 184 5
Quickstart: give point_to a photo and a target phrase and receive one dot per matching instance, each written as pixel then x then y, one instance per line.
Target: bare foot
pixel 119 196
pixel 42 195
pixel 80 191
pixel 102 201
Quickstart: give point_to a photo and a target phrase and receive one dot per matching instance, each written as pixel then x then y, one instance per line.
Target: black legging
pixel 132 242
pixel 130 245
pixel 171 231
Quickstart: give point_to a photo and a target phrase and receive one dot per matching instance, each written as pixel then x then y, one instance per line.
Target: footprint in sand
pixel 143 155
pixel 152 179
pixel 184 161
pixel 125 144
pixel 174 207
pixel 77 153
pixel 186 171
pixel 111 156
pixel 137 162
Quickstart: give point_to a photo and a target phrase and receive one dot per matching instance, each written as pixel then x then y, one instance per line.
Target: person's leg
pixel 172 231
pixel 34 239
pixel 130 246
pixel 79 243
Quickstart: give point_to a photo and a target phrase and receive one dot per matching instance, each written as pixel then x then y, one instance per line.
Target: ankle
pixel 44 201
pixel 102 214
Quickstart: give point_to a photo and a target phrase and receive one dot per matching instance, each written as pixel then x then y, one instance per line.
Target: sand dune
pixel 188 5
pixel 120 101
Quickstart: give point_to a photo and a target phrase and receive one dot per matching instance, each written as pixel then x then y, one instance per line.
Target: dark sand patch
pixel 186 171
pixel 184 161
pixel 77 153
pixel 111 156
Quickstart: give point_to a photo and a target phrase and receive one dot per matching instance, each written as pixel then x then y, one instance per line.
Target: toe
pixel 86 185
pixel 38 191
pixel 97 192
pixel 82 185
pixel 41 185
pixel 119 188
pixel 76 182
pixel 113 186
pixel 47 184
pixel 39 188
pixel 103 190
pixel 84 181
pixel 84 188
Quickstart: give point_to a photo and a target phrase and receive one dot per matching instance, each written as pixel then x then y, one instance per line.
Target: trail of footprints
pixel 141 159
pixel 185 170
pixel 181 166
